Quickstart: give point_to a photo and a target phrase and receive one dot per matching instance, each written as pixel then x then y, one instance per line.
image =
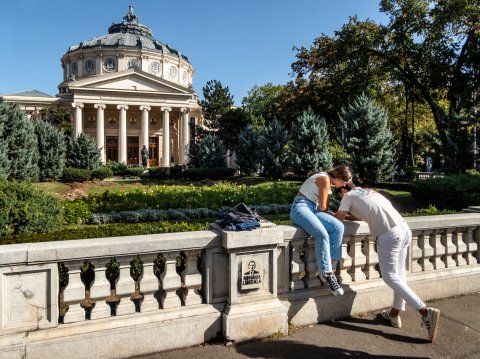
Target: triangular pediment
pixel 130 80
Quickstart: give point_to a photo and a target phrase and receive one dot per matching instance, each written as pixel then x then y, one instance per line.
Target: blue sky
pixel 240 43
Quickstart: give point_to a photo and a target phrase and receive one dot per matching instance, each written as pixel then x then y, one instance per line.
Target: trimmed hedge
pixel 71 174
pixel 449 192
pixel 102 172
pixel 26 209
pixel 211 173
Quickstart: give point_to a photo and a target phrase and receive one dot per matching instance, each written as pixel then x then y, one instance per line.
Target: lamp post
pixel 475 151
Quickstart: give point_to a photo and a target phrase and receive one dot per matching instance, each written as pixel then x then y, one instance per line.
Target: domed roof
pixel 128 33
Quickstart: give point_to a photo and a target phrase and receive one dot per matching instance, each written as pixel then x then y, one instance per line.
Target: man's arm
pixel 343 215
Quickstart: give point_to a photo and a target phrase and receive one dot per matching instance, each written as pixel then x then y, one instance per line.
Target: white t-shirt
pixel 373 208
pixel 310 189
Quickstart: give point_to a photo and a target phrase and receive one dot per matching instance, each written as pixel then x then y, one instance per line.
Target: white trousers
pixel 392 250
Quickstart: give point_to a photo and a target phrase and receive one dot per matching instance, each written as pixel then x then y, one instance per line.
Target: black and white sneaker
pixel 430 321
pixel 333 283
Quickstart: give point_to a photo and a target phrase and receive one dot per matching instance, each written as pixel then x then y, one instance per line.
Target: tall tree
pixel 19 136
pixel 262 102
pixel 369 141
pixel 51 151
pixel 247 151
pixel 4 161
pixel 59 116
pixel 82 152
pixel 217 100
pixel 430 46
pixel 309 144
pixel 231 123
pixel 273 149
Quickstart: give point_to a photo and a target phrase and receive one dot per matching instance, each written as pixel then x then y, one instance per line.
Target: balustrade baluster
pixel 149 284
pixel 347 263
pixel 472 246
pixel 297 266
pixel 417 252
pixel 100 290
pixel 171 282
pixel 192 278
pixel 74 293
pixel 87 276
pixel 372 270
pixel 450 248
pixel 311 268
pixel 358 259
pixel 461 246
pixel 436 259
pixel 124 287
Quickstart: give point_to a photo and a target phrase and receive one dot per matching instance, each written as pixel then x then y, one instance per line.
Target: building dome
pixel 128 33
pixel 128 44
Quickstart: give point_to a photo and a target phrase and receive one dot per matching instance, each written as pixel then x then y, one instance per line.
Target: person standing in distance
pixel 393 238
pixel 310 211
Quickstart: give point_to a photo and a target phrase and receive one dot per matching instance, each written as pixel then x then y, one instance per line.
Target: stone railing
pixel 128 296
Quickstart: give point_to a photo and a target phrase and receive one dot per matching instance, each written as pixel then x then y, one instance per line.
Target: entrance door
pixel 153 151
pixel 111 148
pixel 132 150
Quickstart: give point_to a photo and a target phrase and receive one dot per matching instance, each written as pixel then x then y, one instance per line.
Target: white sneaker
pixel 394 321
pixel 430 321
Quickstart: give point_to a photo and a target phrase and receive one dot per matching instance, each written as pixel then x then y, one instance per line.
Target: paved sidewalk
pixel 365 336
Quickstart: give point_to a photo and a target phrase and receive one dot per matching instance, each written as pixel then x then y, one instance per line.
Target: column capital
pixel 148 108
pixel 77 104
pixel 122 107
pixel 185 109
pixel 100 105
pixel 166 109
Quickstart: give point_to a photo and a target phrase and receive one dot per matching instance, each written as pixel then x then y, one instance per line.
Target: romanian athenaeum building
pixel 126 90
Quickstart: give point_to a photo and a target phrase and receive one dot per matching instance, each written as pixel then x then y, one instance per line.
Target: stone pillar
pixel 166 136
pixel 185 136
pixel 122 134
pixel 144 126
pixel 78 127
pixel 253 309
pixel 101 129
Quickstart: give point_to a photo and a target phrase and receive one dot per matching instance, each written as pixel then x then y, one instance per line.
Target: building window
pixel 89 65
pixel 109 64
pixel 74 68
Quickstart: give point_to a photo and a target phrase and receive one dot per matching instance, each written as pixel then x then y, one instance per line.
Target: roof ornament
pixel 130 17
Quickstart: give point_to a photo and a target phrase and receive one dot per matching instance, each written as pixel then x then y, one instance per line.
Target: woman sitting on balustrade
pixel 310 211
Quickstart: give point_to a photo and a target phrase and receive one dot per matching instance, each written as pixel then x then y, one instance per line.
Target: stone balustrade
pixel 126 296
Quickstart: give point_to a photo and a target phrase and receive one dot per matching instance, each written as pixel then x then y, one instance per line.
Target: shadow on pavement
pixel 287 349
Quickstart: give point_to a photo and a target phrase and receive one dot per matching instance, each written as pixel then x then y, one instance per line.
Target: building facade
pixel 126 90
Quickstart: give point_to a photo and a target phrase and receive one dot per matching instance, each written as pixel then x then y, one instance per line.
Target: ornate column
pixel 185 136
pixel 144 126
pixel 122 134
pixel 166 136
pixel 78 126
pixel 101 129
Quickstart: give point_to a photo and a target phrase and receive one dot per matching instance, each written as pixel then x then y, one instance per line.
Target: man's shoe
pixel 333 283
pixel 430 321
pixel 394 321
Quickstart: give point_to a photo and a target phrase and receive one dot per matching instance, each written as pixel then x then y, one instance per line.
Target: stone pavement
pixel 362 336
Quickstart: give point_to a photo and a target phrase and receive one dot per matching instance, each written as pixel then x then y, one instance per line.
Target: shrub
pixel 82 152
pixel 134 171
pixel 76 175
pixel 449 192
pixel 102 172
pixel 26 209
pixel 119 169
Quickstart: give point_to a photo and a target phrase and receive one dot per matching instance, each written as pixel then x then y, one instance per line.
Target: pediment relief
pixel 131 81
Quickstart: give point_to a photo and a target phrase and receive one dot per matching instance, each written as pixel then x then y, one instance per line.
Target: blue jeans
pixel 326 230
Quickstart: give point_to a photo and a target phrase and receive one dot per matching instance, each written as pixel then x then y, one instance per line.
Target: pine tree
pixel 272 145
pixel 21 142
pixel 82 152
pixel 370 142
pixel 246 150
pixel 51 151
pixel 217 101
pixel 209 152
pixel 4 161
pixel 309 148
